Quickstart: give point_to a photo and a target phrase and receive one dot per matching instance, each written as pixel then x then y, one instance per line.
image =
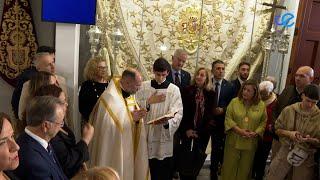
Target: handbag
pixel 191 157
pixel 296 155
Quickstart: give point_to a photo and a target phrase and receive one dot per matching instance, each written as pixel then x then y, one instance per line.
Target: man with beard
pixel 243 74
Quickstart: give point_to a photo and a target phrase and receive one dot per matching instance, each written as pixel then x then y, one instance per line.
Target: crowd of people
pixel 161 128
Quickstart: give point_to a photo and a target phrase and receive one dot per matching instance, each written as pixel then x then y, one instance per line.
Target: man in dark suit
pixel 177 75
pixel 290 95
pixel 243 74
pixel 224 92
pixel 180 78
pixel 44 117
pixel 39 65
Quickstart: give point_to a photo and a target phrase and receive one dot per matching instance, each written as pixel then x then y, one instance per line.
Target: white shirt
pixel 240 80
pixel 41 141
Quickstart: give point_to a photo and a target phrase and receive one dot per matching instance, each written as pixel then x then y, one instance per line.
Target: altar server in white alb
pixel 160 98
pixel 120 140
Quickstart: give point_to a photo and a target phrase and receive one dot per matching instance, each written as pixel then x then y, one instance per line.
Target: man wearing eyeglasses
pixel 290 95
pixel 44 117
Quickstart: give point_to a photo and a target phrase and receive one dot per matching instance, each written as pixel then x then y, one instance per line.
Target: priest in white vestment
pixel 161 97
pixel 120 140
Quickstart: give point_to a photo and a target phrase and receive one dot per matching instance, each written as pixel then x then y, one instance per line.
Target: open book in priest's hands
pixel 163 118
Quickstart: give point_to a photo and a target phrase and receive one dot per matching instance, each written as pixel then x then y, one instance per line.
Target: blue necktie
pixel 177 79
pixel 51 153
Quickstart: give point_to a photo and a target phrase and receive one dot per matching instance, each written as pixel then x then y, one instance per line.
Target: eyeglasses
pixel 102 67
pixel 61 124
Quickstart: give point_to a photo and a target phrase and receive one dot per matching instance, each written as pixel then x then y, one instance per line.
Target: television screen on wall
pixel 69 11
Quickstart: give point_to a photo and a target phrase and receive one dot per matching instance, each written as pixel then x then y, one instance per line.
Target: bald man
pixel 290 95
pixel 120 141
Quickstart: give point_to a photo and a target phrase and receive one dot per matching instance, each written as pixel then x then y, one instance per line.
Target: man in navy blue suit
pixel 180 78
pixel 45 117
pixel 224 92
pixel 177 75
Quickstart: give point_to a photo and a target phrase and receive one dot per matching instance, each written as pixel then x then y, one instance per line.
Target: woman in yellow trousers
pixel 245 121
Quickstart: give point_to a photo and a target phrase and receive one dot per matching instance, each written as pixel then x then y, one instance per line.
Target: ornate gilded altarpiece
pixel 229 30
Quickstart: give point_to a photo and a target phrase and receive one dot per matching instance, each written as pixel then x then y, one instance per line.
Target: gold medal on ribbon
pixel 246 119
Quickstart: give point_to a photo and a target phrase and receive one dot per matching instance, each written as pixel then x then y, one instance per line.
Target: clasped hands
pixel 191 134
pixel 138 114
pixel 247 133
pixel 298 137
pixel 218 111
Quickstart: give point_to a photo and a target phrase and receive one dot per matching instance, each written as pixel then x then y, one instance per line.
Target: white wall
pixel 276 58
pixel 45 30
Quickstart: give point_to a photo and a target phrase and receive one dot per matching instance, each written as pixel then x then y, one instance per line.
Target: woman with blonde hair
pixel 97 80
pixel 198 105
pixel 98 173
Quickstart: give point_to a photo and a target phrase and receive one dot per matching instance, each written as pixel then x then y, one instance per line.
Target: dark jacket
pixel 11 175
pixel 226 95
pixel 185 78
pixel 288 96
pixel 236 86
pixel 22 78
pixel 189 107
pixel 35 161
pixel 90 92
pixel 70 154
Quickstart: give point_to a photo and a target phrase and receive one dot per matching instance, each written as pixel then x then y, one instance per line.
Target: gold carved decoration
pixel 191 28
pixel 222 32
pixel 17 39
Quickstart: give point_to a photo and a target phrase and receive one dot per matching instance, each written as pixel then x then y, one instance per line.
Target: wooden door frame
pixel 296 40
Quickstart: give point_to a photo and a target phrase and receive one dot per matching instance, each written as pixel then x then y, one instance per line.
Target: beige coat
pixel 307 123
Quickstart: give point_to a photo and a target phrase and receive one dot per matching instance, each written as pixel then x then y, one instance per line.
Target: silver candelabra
pixel 275 41
pixel 94 34
pixel 117 37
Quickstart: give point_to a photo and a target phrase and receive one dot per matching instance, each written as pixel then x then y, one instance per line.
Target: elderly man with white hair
pixel 264 146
